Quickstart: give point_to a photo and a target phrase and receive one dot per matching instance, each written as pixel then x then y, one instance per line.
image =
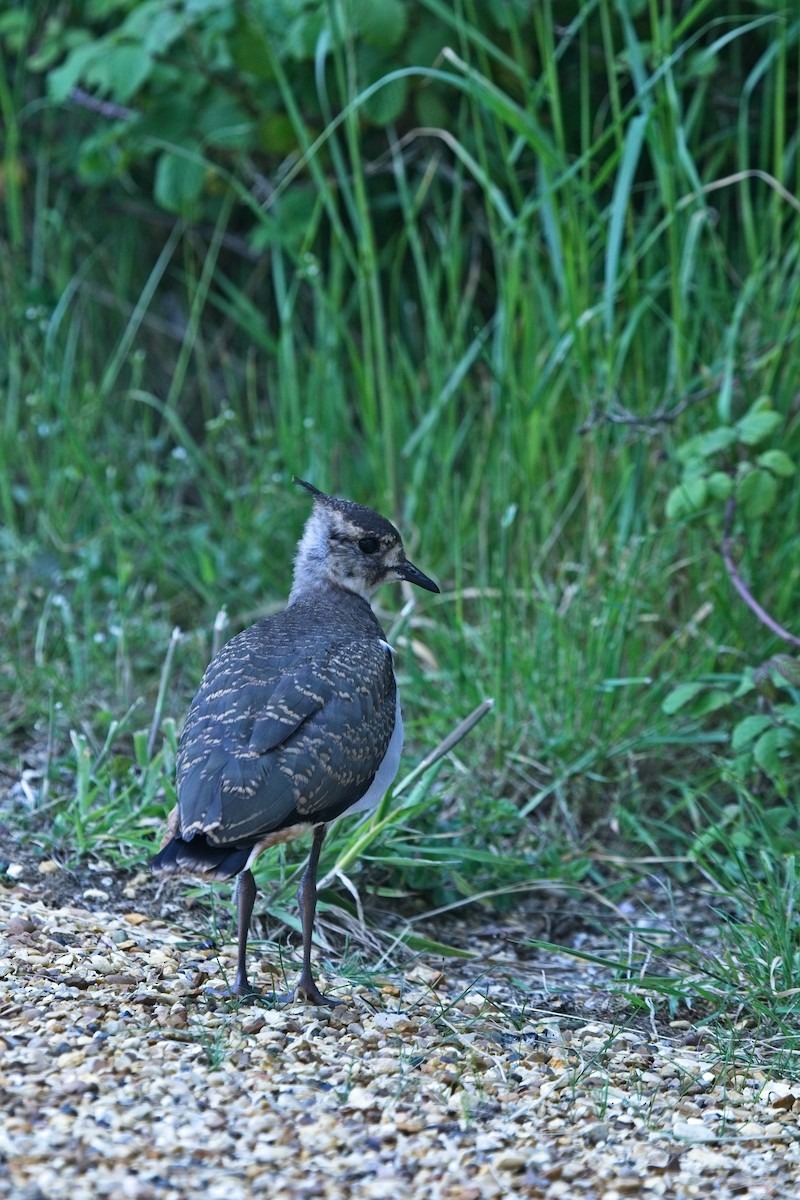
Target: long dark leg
pixel 245 899
pixel 307 897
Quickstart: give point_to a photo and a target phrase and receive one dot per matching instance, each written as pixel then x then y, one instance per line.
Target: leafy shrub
pixel 727 470
pixel 198 91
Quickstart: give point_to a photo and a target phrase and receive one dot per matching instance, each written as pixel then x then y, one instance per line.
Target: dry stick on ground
pixel 741 586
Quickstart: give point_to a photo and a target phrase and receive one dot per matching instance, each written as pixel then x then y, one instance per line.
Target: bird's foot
pixel 242 991
pixel 308 991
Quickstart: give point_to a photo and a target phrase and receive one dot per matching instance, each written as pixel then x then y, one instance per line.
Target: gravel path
pixel 123 1076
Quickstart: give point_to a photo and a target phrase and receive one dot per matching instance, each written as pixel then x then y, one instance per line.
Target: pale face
pixel 353 548
pixel 360 559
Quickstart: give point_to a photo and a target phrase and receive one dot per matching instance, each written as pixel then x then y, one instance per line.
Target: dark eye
pixel 369 545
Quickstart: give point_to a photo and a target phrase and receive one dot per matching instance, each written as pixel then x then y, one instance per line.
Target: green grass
pixel 498 333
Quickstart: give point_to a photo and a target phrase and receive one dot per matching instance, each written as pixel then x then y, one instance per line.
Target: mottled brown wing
pixel 269 745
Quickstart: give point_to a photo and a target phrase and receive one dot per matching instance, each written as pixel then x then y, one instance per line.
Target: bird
pixel 296 722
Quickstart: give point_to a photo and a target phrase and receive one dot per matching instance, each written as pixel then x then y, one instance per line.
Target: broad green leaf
pixel 680 696
pixel 754 427
pixel 120 70
pixel 711 702
pixel 686 498
pixel 694 468
pixel 380 22
pixel 154 24
pixel 250 51
pixel 706 444
pixel 170 118
pixel 303 34
pixel 747 730
pixel 756 493
pixel 224 122
pixel 104 10
pixel 746 686
pixel 201 7
pixel 768 754
pixel 778 462
pixel 720 485
pixel 790 713
pixel 100 156
pixel 179 182
pixel 61 81
pixel 386 105
pixel 509 15
pixel 276 133
pixel 15 25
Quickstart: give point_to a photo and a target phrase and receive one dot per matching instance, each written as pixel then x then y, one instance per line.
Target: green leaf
pixel 100 156
pixel 204 7
pixel 276 133
pixel 778 462
pixel 250 51
pixel 380 22
pixel 169 118
pixel 15 28
pixel 179 182
pixel 61 81
pixel 386 105
pixel 680 696
pixel 224 122
pixel 120 70
pixel 711 702
pixel 686 498
pixel 745 686
pixel 155 25
pixel 749 729
pixel 706 444
pixel 720 485
pixel 790 713
pixel 768 753
pixel 756 493
pixel 757 423
pixel 762 403
pixel 303 34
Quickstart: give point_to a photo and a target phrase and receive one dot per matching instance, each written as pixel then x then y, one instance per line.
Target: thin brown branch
pixel 104 108
pixel 741 586
pixel 617 415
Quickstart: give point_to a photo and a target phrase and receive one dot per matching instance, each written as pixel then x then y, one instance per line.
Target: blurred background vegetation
pixel 523 276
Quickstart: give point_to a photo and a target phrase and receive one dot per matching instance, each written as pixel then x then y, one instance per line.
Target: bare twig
pixel 453 738
pixel 741 586
pixel 616 415
pixel 163 683
pixel 104 108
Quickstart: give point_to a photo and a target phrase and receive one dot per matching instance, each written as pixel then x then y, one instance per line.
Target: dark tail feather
pixel 198 857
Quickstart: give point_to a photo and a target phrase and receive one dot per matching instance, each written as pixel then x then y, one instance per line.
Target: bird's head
pixel 352 547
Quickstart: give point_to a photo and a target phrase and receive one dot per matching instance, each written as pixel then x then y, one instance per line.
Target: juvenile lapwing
pixel 296 722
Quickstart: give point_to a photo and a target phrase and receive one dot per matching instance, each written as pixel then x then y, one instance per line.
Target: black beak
pixel 407 570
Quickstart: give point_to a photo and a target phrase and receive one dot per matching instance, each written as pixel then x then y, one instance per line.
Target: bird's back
pixel 291 722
